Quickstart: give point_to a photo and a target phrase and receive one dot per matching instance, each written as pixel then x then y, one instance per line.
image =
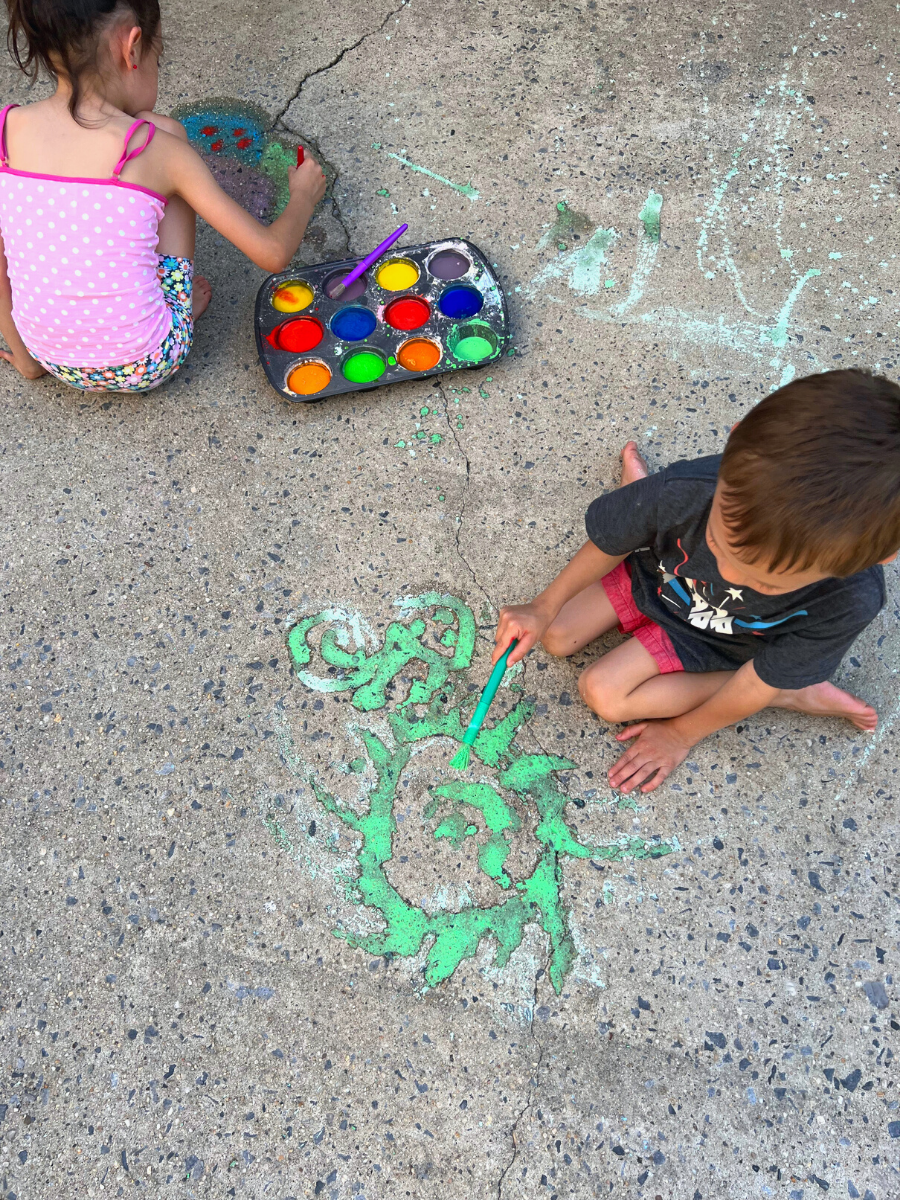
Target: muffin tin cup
pixel 453 338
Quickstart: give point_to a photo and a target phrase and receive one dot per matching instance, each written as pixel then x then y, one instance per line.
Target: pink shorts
pixel 654 639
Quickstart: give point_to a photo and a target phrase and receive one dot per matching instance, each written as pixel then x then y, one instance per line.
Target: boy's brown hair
pixel 811 476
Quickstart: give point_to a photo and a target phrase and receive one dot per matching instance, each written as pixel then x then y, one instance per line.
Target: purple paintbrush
pixel 338 290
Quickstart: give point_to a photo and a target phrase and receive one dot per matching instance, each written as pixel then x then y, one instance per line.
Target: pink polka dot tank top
pixel 82 262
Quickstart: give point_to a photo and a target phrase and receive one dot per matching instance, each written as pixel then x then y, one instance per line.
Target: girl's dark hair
pixel 63 36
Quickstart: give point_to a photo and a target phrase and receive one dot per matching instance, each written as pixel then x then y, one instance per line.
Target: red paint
pixel 409 312
pixel 238 132
pixel 297 335
pixel 217 145
pixel 244 142
pixel 209 130
pixel 300 156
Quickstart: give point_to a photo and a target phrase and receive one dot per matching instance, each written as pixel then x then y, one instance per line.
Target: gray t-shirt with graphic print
pixel 795 639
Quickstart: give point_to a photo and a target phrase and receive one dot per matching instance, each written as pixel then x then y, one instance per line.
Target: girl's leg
pixel 17 354
pixel 625 685
pixel 178 228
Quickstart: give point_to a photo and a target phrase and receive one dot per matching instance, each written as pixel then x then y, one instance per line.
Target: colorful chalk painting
pixel 236 142
pixel 505 792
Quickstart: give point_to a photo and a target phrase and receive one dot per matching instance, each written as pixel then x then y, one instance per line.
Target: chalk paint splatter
pixel 464 189
pixel 462 807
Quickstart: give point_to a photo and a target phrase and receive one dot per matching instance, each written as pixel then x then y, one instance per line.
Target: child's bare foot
pixel 201 296
pixel 826 700
pixel 633 464
pixel 27 367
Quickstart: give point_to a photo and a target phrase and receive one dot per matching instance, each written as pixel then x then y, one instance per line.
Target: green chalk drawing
pixel 274 162
pixel 382 192
pixel 650 216
pixel 464 189
pixel 523 783
pixel 582 267
pixel 648 248
pixel 779 335
pixel 367 676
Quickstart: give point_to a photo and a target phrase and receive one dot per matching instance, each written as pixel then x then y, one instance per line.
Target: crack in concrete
pixel 454 433
pixel 532 1087
pixel 323 160
pixel 334 62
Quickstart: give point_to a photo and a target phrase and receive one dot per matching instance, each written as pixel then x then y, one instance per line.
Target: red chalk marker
pixel 300 156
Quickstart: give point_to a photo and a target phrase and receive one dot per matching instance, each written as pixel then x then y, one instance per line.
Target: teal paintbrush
pixel 460 760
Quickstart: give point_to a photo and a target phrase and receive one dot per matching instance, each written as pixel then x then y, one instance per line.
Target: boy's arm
pixel 271 247
pixel 529 622
pixel 661 745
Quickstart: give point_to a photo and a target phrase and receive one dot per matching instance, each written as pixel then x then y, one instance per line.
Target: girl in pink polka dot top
pixel 98 204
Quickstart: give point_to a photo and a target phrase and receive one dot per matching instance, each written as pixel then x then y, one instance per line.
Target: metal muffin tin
pixel 385 340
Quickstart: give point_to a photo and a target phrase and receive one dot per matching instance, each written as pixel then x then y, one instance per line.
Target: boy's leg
pixel 178 227
pixel 625 685
pixel 583 618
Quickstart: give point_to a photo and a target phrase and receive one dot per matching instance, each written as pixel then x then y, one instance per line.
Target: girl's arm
pixel 529 622
pixel 271 247
pixel 16 354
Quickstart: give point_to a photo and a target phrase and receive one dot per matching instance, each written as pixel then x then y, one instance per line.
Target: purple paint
pixel 352 292
pixel 448 264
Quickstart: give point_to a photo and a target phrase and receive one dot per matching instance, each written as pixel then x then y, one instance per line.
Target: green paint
pixel 364 367
pixel 568 226
pixel 368 676
pixel 473 349
pixel 423 411
pixel 382 192
pixel 650 216
pixel 464 189
pixel 609 283
pixel 835 254
pixel 435 439
pixel 463 809
pixel 582 267
pixel 779 335
pixel 274 162
pixel 401 445
pixel 392 362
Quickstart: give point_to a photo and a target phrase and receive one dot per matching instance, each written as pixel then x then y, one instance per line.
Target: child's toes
pixel 202 294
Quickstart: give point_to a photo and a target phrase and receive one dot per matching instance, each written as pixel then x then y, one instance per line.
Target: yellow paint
pixel 309 378
pixel 292 297
pixel 397 275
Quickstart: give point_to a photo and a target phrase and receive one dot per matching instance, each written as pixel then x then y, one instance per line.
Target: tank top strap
pixel 128 155
pixel 4 158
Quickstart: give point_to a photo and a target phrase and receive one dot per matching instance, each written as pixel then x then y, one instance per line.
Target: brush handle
pixel 481 708
pixel 370 258
pixel 301 154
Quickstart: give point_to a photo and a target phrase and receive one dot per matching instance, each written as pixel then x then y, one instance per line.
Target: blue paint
pixel 353 323
pixel 460 302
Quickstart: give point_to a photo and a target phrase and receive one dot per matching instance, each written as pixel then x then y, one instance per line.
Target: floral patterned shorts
pixel 176 277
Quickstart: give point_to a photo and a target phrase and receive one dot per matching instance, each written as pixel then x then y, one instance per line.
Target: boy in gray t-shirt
pixel 744 578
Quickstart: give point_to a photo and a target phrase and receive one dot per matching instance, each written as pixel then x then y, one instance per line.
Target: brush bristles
pixel 460 759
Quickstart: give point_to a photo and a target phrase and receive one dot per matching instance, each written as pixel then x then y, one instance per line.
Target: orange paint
pixel 419 354
pixel 309 378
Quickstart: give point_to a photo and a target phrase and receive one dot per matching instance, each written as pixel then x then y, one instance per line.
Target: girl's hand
pixel 653 757
pixel 27 366
pixel 526 622
pixel 307 181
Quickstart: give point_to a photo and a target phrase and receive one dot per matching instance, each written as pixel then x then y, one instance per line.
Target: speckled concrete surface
pixel 176 1015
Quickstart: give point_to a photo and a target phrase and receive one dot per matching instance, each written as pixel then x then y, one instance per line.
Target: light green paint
pixel 778 336
pixel 464 189
pixel 650 216
pixel 523 781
